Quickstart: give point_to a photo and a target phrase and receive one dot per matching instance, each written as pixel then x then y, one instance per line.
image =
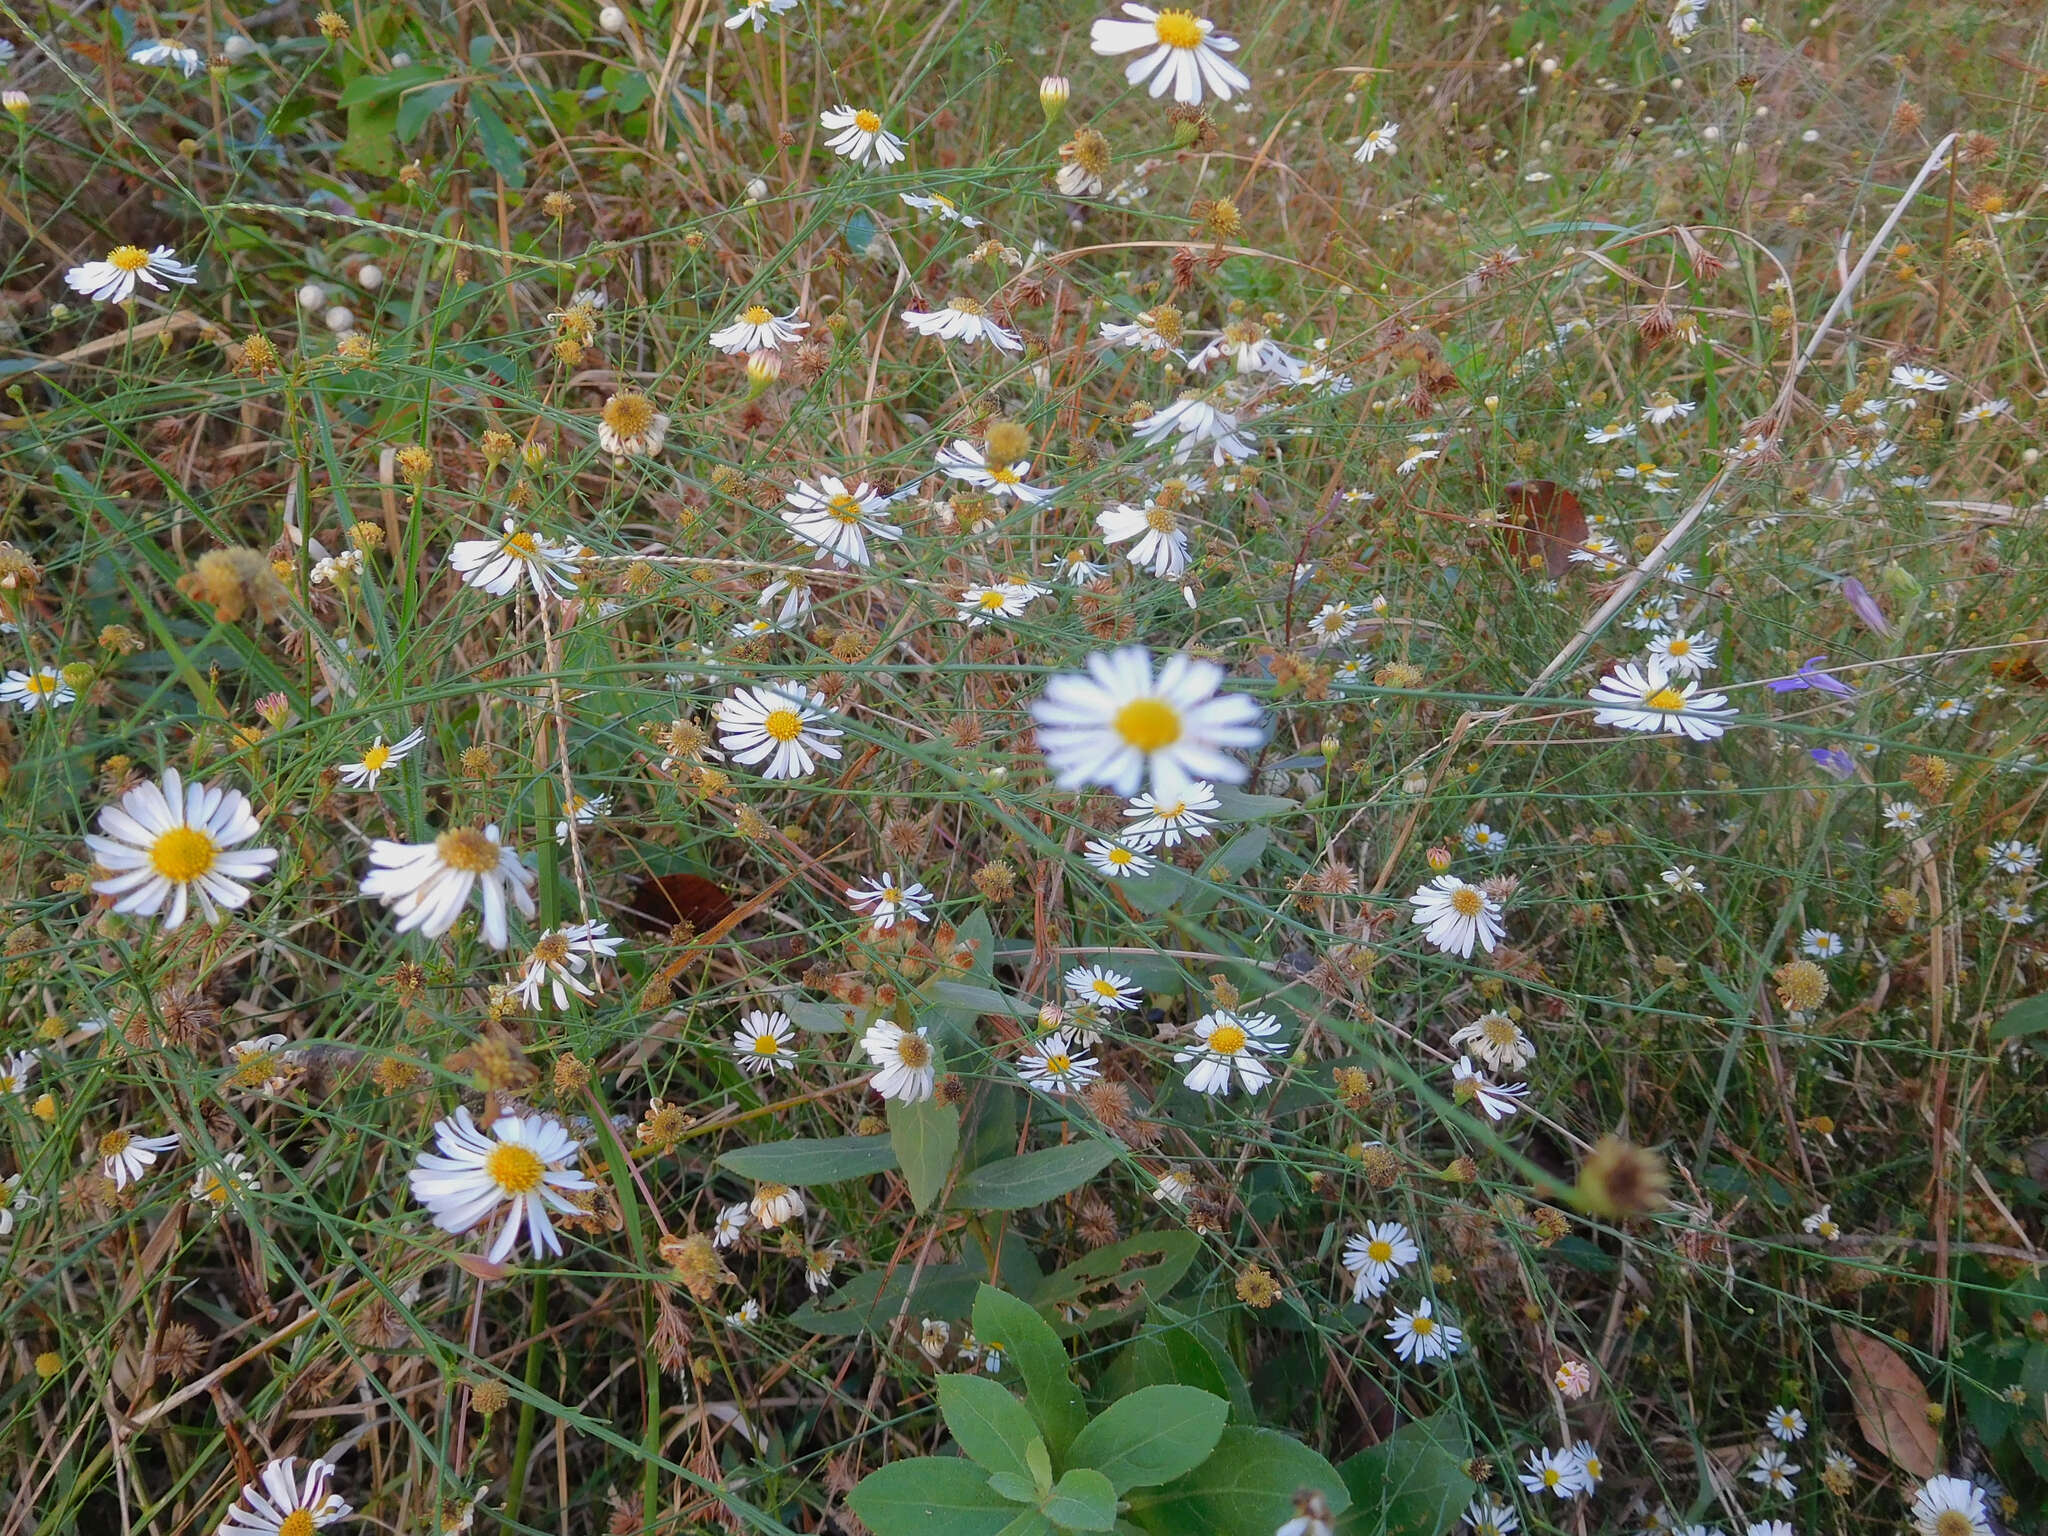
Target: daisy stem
pixel 522 1451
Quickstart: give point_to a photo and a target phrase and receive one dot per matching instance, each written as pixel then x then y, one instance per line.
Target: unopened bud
pixel 1052 97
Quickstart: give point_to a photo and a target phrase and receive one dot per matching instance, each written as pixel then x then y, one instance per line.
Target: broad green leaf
pixel 1029 1523
pixel 1018 1183
pixel 925 1136
pixel 819 1018
pixel 390 83
pixel 930 1496
pixel 1035 1352
pixel 1014 1485
pixel 1114 1283
pixel 979 999
pixel 1153 893
pixel 1151 1436
pixel 1236 805
pixel 501 148
pixel 1173 1347
pixel 873 1298
pixel 1412 1483
pixel 1245 1488
pixel 991 1426
pixel 2027 1017
pixel 371 144
pixel 416 108
pixel 812 1160
pixel 1082 1500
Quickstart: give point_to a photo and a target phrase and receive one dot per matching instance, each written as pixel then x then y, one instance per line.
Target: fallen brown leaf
pixel 1891 1404
pixel 1546 519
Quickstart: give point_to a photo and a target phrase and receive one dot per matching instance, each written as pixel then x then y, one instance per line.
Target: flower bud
pixel 16 102
pixel 1052 98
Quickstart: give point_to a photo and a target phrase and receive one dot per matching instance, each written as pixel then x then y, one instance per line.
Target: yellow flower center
pixel 1952 1522
pixel 767 1045
pixel 1004 476
pixel 182 854
pixel 1161 519
pixel 1467 902
pixel 43 682
pixel 1227 1039
pixel 1664 698
pixel 843 508
pixel 913 1052
pixel 1380 1251
pixel 114 1143
pixel 629 415
pixel 129 258
pixel 783 724
pixel 1552 1477
pixel 377 758
pixel 964 307
pixel 1170 812
pixel 1120 855
pixel 553 949
pixel 520 546
pixel 1679 646
pixel 1104 988
pixel 468 850
pixel 298 1523
pixel 1178 29
pixel 866 121
pixel 1059 1064
pixel 891 894
pixel 754 314
pixel 1498 1029
pixel 214 1192
pixel 515 1169
pixel 990 601
pixel 1148 724
pixel 1422 1326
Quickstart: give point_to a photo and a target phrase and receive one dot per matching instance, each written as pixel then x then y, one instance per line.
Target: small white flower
pixel 522 1161
pixel 943 206
pixel 1161 543
pixel 1822 1224
pixel 963 320
pixel 1376 1256
pixel 126 1157
pixel 1497 1041
pixel 1057 1065
pixel 1786 1424
pixel 169 843
pixel 1664 407
pixel 14 1202
pixel 43 688
pixel 1683 879
pixel 377 759
pixel 758 328
pixel 1116 858
pixel 428 884
pixel 2014 857
pixel 1773 1470
pixel 858 135
pixel 1553 1472
pixel 1591 1470
pixel 1987 410
pixel 1379 142
pixel 1119 724
pixel 761 1045
pixel 978 607
pixel 1157 823
pixel 1100 987
pixel 560 957
pixel 757 12
pixel 1488 1517
pixel 961 460
pixel 1901 816
pixel 838 522
pixel 16 1068
pixel 908 1064
pixel 1478 837
pixel 748 1314
pixel 1822 944
pixel 818 1266
pixel 731 1221
pixel 1497 1100
pixel 1643 698
pixel 887 901
pixel 1227 1041
pixel 1456 915
pixel 1194 421
pixel 1682 655
pixel 778 728
pixel 1177 49
pixel 495 565
pixel 1919 379
pixel 159 54
pixel 1420 1335
pixel 223 1184
pixel 1950 1506
pixel 280 1504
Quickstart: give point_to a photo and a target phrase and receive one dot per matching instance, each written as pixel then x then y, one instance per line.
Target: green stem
pixel 522 1451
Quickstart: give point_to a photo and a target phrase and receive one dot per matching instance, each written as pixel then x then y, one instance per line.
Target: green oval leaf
pixel 1245 1488
pixel 1033 1350
pixel 1152 1436
pixel 1018 1183
pixel 987 1423
pixel 812 1160
pixel 930 1496
pixel 925 1137
pixel 1082 1500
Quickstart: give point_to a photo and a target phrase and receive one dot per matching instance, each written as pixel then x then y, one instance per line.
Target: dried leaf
pixel 1546 518
pixel 1891 1404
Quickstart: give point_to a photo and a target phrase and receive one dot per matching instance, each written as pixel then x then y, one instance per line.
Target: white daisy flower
pixel 428 884
pixel 759 329
pixel 858 135
pixel 979 607
pixel 887 901
pixel 1919 379
pixel 1901 816
pixel 1421 1335
pixel 1644 698
pixel 585 811
pixel 2014 857
pixel 495 565
pixel 1612 432
pixel 1591 1469
pixel 158 54
pixel 43 688
pixel 1684 879
pixel 792 600
pixel 963 320
pixel 1497 1041
pixel 1786 1424
pixel 1478 837
pixel 1119 725
pixel 1416 457
pixel 1950 1506
pixel 1141 335
pixel 1336 622
pixel 757 13
pixel 762 1046
pixel 1376 1256
pixel 777 727
pixel 1379 142
pixel 126 1157
pixel 113 279
pixel 942 205
pixel 560 956
pixel 629 427
pixel 1685 19
pixel 1772 1469
pixel 1076 569
pixel 224 1184
pixel 1057 1065
pixel 818 1266
pixel 775 1205
pixel 838 522
pixel 1663 407
pixel 377 758
pixel 748 1314
pixel 14 1201
pixel 1101 987
pixel 1821 1224
pixel 1681 654
pixel 1229 1040
pixel 1821 944
pixel 522 1161
pixel 731 1221
pixel 1488 1517
pixel 173 842
pixel 1769 1528
pixel 1496 1100
pixel 1456 915
pixel 1162 823
pixel 278 1503
pixel 1553 1472
pixel 264 1062
pixel 1162 544
pixel 1182 50
pixel 1116 858
pixel 963 461
pixel 1195 422
pixel 908 1064
pixel 1987 410
pixel 16 1068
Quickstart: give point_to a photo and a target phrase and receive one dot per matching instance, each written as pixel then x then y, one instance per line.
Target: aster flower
pixel 1100 987
pixel 1161 823
pixel 938 203
pixel 521 1162
pixel 14 1202
pixel 1786 1424
pixel 558 960
pixel 113 280
pixel 888 901
pixel 908 1064
pixel 16 1068
pixel 1481 838
pixel 126 1157
pixel 158 54
pixel 1114 857
pixel 281 1503
pixel 377 759
pixel 224 1183
pixel 1920 380
pixel 762 1046
pixel 1161 543
pixel 759 329
pixel 1950 1506
pixel 1553 1472
pixel 629 427
pixel 963 461
pixel 963 320
pixel 1497 1041
pixel 1056 1065
pixel 978 607
pixel 838 522
pixel 1487 1516
pixel 776 1205
pixel 1379 142
pixel 1644 698
pixel 428 884
pixel 1772 1469
pixel 495 565
pixel 757 12
pixel 1456 915
pixel 1228 1041
pixel 858 135
pixel 167 844
pixel 1119 724
pixel 1376 1257
pixel 1179 50
pixel 730 1223
pixel 1196 422
pixel 1682 655
pixel 1421 1335
pixel 43 688
pixel 1496 1100
pixel 779 728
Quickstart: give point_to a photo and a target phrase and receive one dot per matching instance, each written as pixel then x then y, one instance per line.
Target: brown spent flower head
pixel 697 1266
pixel 1219 218
pixel 1802 985
pixel 1621 1179
pixel 996 881
pixel 235 582
pixel 571 1075
pixel 257 357
pixel 1899 905
pixel 394 1074
pixel 489 1397
pixel 416 463
pixel 1257 1288
pixel 180 1350
pixel 17 570
pixel 1007 442
pixel 355 350
pixel 558 205
pixel 1382 1165
pixel 476 761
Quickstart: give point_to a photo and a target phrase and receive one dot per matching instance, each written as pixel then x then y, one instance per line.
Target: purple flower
pixel 1864 606
pixel 1808 677
pixel 1834 760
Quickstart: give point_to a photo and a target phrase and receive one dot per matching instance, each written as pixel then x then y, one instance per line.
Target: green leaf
pixel 1029 1523
pixel 1155 892
pixel 979 999
pixel 1412 1483
pixel 376 87
pixel 819 1018
pixel 2027 1017
pixel 417 108
pixel 924 1136
pixel 1029 1345
pixel 372 143
pixel 1018 1183
pixel 501 148
pixel 1014 1485
pixel 931 1496
pixel 860 232
pixel 812 1160
pixel 1114 1283
pixel 1151 1436
pixel 1082 1500
pixel 1236 805
pixel 987 1423
pixel 873 1298
pixel 1176 1348
pixel 1245 1488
